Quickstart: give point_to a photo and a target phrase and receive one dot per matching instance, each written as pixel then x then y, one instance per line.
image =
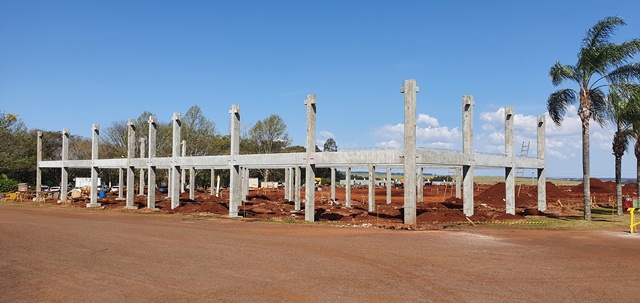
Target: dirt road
pixel 73 255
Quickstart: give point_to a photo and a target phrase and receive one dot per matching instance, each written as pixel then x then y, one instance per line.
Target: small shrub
pixel 7 185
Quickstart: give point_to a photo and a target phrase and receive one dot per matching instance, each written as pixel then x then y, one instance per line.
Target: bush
pixel 7 185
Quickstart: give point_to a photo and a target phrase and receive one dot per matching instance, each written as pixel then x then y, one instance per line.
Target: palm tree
pixel 621 116
pixel 600 63
pixel 631 116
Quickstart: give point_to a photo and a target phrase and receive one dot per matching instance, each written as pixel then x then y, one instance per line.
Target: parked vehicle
pixel 54 188
pixel 115 189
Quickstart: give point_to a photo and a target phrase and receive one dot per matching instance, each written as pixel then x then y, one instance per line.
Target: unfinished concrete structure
pixel 411 160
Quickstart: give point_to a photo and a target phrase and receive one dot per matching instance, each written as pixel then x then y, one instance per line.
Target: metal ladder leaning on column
pixel 524 153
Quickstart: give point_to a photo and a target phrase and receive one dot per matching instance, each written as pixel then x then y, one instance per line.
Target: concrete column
pixel 298 181
pixel 213 177
pixel 347 188
pixel 141 174
pixel 245 183
pixel 169 183
pixel 458 182
pixel 542 179
pixel 290 187
pixel 310 166
pixel 388 184
pixel 176 178
pixel 420 184
pixel 131 154
pixel 510 183
pixel 182 171
pixel 64 187
pixel 120 183
pixel 218 186
pixel 151 193
pixel 235 187
pixel 372 188
pixel 410 90
pixel 192 183
pixel 467 149
pixel 333 184
pixel 38 169
pixel 287 178
pixel 95 139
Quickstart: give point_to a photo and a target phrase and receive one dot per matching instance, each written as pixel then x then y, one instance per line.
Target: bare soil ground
pixel 68 254
pixel 439 209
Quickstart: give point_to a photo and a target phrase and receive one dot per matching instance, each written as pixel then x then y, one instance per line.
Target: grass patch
pixel 598 221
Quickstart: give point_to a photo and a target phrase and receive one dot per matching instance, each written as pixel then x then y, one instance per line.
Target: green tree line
pixel 18 151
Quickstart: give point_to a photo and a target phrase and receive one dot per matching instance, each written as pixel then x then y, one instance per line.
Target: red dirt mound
pixel 597 186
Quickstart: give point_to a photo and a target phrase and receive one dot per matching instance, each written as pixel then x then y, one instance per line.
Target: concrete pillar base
pixel 131 207
pixel 153 209
pixel 120 199
pixel 89 205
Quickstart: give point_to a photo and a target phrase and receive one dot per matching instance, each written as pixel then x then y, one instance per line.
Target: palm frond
pixel 601 32
pixel 622 53
pixel 559 73
pixel 558 102
pixel 600 106
pixel 626 73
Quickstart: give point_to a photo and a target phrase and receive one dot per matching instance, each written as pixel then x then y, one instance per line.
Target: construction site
pixel 411 160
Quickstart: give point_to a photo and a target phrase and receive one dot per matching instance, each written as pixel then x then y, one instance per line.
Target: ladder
pixel 524 153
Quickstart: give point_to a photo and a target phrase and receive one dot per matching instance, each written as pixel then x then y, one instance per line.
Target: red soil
pixel 440 207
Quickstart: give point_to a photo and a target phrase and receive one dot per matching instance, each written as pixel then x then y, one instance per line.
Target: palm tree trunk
pixel 586 172
pixel 637 152
pixel 619 185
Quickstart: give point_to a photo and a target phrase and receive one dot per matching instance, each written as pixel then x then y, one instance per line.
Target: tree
pixel 631 116
pixel 601 63
pixel 330 145
pixel 199 132
pixel 269 136
pixel 621 116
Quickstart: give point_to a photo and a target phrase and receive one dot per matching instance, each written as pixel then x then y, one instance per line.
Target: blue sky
pixel 70 64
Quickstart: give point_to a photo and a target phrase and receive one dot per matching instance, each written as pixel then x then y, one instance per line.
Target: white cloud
pixel 432 135
pixel 389 131
pixel 392 144
pixel 428 120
